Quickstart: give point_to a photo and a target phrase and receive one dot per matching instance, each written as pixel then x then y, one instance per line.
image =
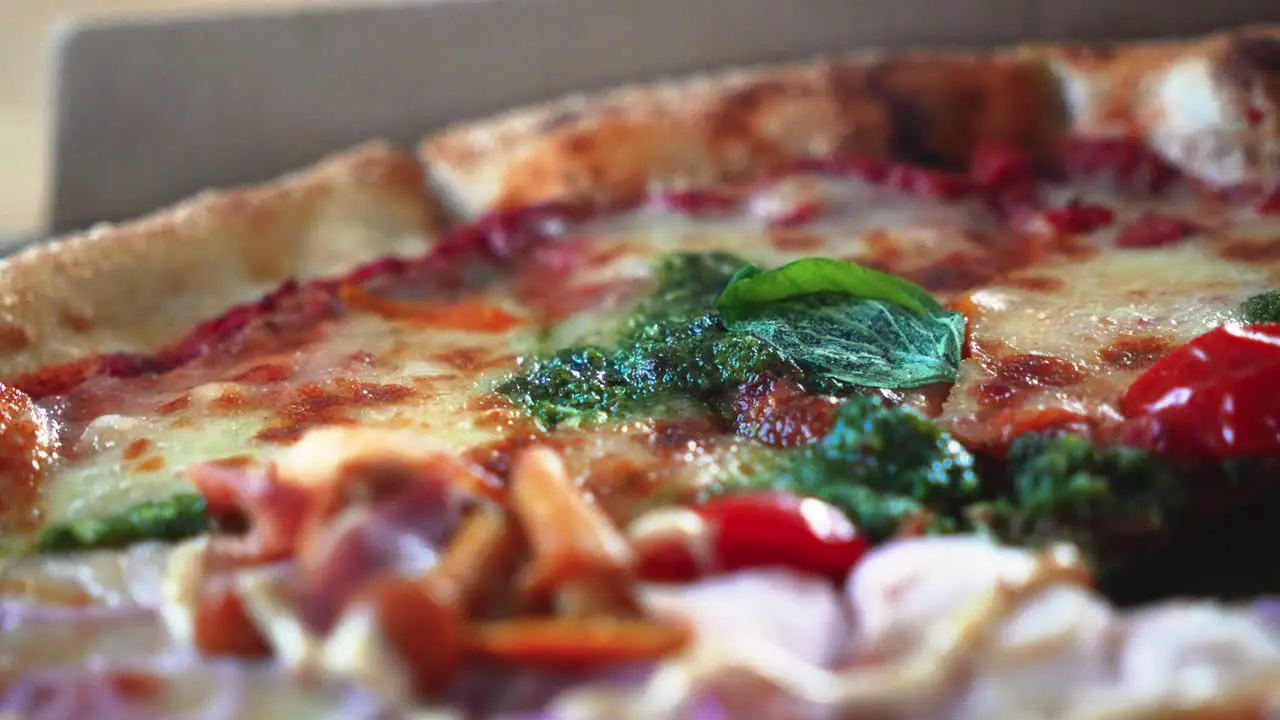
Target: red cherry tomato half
pixel 747 530
pixel 777 529
pixel 1217 396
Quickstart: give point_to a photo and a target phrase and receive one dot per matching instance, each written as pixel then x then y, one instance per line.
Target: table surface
pixel 25 31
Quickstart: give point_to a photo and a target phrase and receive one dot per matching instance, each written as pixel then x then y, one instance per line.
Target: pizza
pixel 927 384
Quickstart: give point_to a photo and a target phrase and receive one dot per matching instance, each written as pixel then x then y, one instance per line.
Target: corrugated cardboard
pixel 152 110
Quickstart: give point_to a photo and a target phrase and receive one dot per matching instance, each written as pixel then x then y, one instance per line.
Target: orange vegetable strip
pixel 424 625
pixel 482 553
pixel 574 642
pixel 476 317
pixel 571 538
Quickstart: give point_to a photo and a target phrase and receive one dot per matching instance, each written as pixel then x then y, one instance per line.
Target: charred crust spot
pixel 75 320
pixel 910 121
pixel 14 337
pixel 579 144
pixel 1135 352
pixel 732 122
pixel 1251 58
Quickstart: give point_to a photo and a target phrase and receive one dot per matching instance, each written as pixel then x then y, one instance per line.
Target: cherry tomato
pixel 749 530
pixel 1216 396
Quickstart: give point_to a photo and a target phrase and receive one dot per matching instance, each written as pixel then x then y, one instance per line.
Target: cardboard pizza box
pixel 150 110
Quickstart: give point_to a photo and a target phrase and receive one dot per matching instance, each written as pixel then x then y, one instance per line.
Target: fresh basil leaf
pixel 852 342
pixel 752 287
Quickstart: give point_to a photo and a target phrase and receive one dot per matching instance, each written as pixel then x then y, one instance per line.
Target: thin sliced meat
pixel 273 510
pixel 403 535
pixel 796 614
pixel 902 588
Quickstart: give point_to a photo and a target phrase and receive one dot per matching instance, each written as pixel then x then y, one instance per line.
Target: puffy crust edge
pixel 135 286
pixel 926 107
pixel 1209 105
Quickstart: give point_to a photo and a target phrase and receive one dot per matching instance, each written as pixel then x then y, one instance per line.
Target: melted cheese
pixel 1068 307
pixel 132 453
pixel 1094 319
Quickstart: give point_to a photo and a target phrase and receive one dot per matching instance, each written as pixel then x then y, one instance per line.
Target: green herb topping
pixel 1065 487
pixel 1261 308
pixel 714 322
pixel 673 350
pixel 846 326
pixel 883 466
pixel 178 517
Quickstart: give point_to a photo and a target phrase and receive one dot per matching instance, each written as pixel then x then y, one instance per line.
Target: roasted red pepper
pixel 1216 396
pixel 751 530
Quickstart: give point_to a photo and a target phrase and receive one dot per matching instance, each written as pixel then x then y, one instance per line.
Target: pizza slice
pixel 823 390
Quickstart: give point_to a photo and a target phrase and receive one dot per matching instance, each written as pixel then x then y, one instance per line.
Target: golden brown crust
pixel 1210 106
pixel 138 285
pixel 922 107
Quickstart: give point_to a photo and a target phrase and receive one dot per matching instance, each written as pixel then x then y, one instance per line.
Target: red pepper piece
pixel 1154 230
pixel 778 529
pixel 1217 396
pixel 1079 217
pixel 746 530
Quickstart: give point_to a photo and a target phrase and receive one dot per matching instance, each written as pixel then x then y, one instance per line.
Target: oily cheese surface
pixel 367 369
pixel 1059 322
pixel 1069 334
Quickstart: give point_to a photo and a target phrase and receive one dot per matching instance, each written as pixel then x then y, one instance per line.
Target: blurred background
pixel 25 29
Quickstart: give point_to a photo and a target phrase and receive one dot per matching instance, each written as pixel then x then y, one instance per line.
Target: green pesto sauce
pixel 670 350
pixel 1067 488
pixel 883 467
pixel 1261 308
pixel 178 517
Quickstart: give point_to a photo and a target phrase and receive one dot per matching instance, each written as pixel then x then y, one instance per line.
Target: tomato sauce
pixel 779 413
